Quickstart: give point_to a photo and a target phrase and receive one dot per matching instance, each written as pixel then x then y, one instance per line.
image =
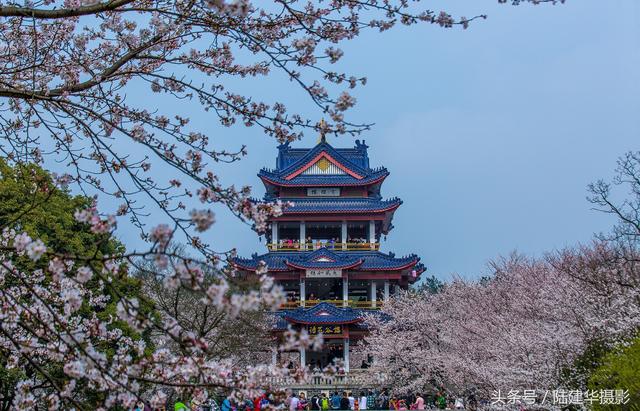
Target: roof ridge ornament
pixel 361 146
pixel 322 128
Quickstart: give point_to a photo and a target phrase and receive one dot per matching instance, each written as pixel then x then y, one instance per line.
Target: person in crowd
pixel 303 404
pixel 335 401
pixel 266 401
pixel 180 406
pixel 314 402
pixel 393 403
pixel 402 405
pixel 226 405
pixel 324 402
pixel 294 401
pixel 257 402
pixel 362 402
pixel 382 402
pixel 344 401
pixel 418 404
pixel 351 401
pixel 371 400
pixel 441 400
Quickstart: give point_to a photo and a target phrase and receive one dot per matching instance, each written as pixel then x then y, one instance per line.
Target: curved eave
pixel 392 207
pixel 246 267
pixel 341 267
pixel 338 322
pixel 356 183
pixel 403 267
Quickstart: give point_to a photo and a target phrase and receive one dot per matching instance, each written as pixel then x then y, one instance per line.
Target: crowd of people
pixel 349 401
pixel 323 401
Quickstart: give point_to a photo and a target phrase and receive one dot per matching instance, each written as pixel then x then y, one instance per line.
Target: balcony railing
pixel 357 378
pixel 366 305
pixel 292 246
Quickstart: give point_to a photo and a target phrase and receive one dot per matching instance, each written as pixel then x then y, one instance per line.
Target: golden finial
pixel 322 127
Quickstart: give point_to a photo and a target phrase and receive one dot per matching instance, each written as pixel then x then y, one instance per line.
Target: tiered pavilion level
pixel 325 249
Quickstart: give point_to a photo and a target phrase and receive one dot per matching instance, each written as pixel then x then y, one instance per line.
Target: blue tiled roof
pixel 371 260
pixel 355 159
pixel 318 259
pixel 356 155
pixel 323 313
pixel 339 205
pixel 324 180
pixel 278 321
pixel 282 319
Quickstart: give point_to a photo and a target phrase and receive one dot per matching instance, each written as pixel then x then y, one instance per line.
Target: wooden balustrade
pixel 286 246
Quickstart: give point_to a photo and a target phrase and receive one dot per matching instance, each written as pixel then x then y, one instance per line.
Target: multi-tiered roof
pixel 325 248
pixel 324 258
pixel 326 167
pixel 303 167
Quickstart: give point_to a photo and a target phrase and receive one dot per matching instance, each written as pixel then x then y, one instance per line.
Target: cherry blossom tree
pixel 519 330
pixel 67 72
pixel 245 339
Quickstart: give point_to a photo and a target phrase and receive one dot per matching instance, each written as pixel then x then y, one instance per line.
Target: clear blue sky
pixel 491 134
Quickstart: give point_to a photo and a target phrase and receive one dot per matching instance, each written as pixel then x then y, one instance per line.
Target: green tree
pixel 430 285
pixel 31 202
pixel 620 370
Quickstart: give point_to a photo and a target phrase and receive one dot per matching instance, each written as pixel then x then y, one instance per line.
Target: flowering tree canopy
pixel 518 330
pixel 67 73
pixel 67 69
pixel 531 324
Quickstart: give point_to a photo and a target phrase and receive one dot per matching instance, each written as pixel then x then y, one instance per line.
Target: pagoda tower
pixel 324 250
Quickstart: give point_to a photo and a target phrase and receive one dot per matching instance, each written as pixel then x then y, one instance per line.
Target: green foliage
pixel 30 201
pixel 577 375
pixel 430 285
pixel 620 369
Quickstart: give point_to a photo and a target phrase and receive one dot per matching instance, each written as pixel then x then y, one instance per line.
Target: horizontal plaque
pixel 323 192
pixel 325 329
pixel 322 273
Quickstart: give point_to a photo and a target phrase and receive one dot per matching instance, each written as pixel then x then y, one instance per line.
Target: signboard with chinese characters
pixel 324 273
pixel 323 192
pixel 325 329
